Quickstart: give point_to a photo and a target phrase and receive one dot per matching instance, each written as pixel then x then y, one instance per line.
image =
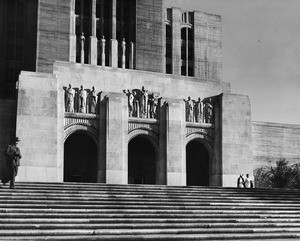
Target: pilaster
pixel 176 41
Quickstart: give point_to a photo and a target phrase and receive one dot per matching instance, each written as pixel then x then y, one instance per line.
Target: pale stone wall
pixel 116 80
pixel 53 38
pixel 114 117
pixel 150 35
pixel 272 141
pixel 208 46
pixel 236 138
pixel 7 129
pixel 37 127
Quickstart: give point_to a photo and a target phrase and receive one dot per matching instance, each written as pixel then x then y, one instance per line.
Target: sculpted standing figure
pixel 13 156
pixel 144 106
pixel 189 106
pixel 82 39
pixel 82 99
pixel 70 94
pixel 153 102
pixel 130 102
pixel 136 108
pixel 93 100
pixel 208 111
pixel 103 51
pixel 198 111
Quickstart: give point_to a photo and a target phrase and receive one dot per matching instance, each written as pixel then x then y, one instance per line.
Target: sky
pixel 261 53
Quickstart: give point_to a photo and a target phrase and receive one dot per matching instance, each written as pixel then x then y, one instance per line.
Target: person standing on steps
pixel 248 182
pixel 241 181
pixel 13 156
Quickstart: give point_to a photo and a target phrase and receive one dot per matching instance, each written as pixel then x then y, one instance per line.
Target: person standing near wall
pixel 248 182
pixel 240 182
pixel 13 156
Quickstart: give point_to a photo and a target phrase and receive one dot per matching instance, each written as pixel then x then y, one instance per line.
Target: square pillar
pixel 116 139
pixel 176 143
pixel 176 41
pixel 93 51
pixel 236 138
pixel 113 53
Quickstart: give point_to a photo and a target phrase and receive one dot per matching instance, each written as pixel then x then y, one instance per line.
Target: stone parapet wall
pixel 7 128
pixel 272 141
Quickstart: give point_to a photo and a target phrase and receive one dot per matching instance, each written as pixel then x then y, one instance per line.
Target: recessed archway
pixel 80 158
pixel 141 161
pixel 197 164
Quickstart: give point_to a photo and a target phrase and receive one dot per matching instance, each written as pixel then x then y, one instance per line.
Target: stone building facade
pixel 128 92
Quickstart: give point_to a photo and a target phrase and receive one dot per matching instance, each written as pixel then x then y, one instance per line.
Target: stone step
pixel 141 215
pixel 76 211
pixel 139 204
pixel 156 188
pixel 119 226
pixel 151 197
pixel 168 237
pixel 98 220
pixel 144 211
pixel 144 207
pixel 145 231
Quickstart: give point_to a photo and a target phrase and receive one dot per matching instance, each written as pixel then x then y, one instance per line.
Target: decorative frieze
pixel 81 119
pixel 204 128
pixel 149 124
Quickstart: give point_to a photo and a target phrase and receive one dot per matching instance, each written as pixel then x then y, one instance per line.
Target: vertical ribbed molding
pixel 176 40
pixel 113 53
pixel 93 51
pixel 72 51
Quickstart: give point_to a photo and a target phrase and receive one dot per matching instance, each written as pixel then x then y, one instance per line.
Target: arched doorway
pixel 197 164
pixel 80 158
pixel 141 161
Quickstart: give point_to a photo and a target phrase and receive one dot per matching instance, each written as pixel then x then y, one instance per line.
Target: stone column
pixel 113 53
pixel 176 41
pixel 93 51
pixel 114 19
pixel 103 51
pixel 123 54
pixel 82 40
pixel 72 54
pixel 176 143
pixel 131 56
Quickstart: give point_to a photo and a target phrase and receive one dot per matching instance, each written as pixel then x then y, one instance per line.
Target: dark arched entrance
pixel 80 159
pixel 141 161
pixel 197 164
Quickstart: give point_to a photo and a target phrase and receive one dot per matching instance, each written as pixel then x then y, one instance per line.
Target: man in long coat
pixel 13 156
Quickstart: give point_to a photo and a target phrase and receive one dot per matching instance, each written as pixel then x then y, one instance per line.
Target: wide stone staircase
pixel 78 211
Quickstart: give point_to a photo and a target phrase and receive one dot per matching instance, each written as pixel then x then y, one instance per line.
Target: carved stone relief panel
pixel 142 103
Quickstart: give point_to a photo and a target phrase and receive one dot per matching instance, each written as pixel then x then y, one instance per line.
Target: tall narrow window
pixel 187 45
pixel 103 26
pixel 83 13
pixel 168 49
pixel 126 15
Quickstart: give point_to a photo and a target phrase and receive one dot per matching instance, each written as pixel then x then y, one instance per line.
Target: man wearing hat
pixel 13 156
